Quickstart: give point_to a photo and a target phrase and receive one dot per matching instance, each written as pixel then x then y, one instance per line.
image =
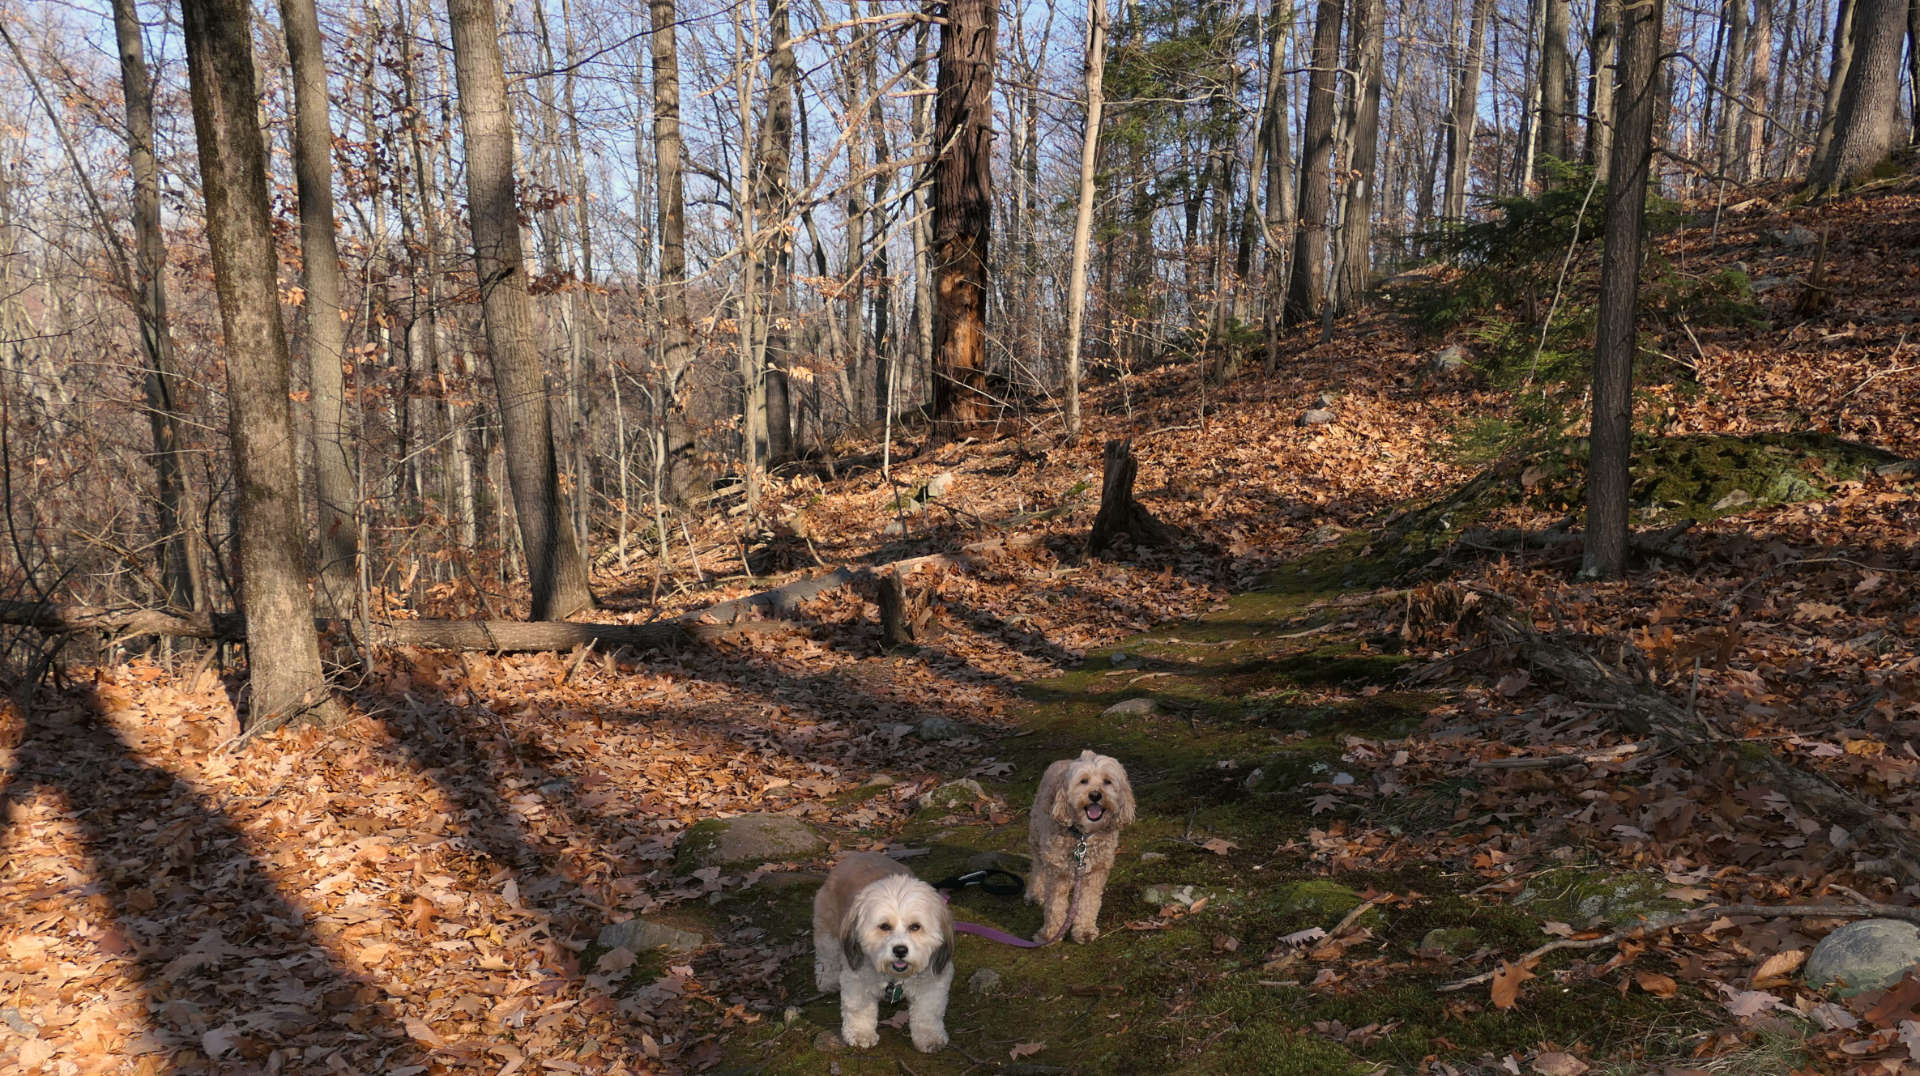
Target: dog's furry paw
pixel 1084 934
pixel 864 1038
pixel 931 1041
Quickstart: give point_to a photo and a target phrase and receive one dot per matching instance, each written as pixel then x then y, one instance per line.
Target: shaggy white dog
pixel 879 932
pixel 1074 830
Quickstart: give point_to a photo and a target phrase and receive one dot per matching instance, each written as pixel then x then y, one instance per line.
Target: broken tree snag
pixel 1121 515
pixel 903 616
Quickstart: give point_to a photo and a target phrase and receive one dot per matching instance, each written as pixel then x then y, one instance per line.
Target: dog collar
pixel 895 992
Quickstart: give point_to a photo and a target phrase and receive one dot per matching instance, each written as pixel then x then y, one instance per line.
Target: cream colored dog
pixel 878 931
pixel 1082 803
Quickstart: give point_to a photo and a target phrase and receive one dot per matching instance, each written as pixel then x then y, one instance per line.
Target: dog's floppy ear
pixel 1123 792
pixel 850 945
pixel 944 955
pixel 1060 803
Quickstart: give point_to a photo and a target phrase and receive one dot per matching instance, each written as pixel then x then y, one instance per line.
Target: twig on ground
pixel 1707 914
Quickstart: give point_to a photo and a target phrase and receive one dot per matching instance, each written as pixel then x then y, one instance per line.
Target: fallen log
pixel 1646 710
pixel 717 621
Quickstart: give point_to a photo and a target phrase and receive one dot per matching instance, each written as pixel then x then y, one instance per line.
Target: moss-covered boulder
pixel 1592 896
pixel 1448 941
pixel 961 795
pixel 745 840
pixel 1319 902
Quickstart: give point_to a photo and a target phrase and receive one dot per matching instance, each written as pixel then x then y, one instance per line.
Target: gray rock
pixel 1119 658
pixel 954 794
pixel 746 839
pixel 1870 954
pixel 985 982
pixel 939 484
pixel 638 935
pixel 1796 236
pixel 13 1018
pixel 828 1042
pixel 1152 857
pixel 1141 707
pixel 1733 499
pixel 1448 359
pixel 1898 469
pixel 1325 400
pixel 1453 941
pixel 1319 416
pixel 934 729
pixel 1165 893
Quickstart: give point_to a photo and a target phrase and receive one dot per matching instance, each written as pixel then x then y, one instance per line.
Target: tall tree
pixel 962 210
pixel 1095 68
pixel 179 565
pixel 326 338
pixel 1368 49
pixel 1272 149
pixel 774 205
pixel 1869 103
pixel 283 652
pixel 1602 56
pixel 1466 109
pixel 1610 450
pixel 674 432
pixel 1751 151
pixel 1307 287
pixel 1843 49
pixel 1555 73
pixel 557 573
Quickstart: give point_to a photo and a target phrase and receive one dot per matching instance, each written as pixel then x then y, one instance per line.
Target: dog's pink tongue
pixel 1094 812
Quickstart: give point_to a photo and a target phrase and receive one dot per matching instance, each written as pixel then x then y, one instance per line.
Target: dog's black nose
pixel 900 951
pixel 1093 797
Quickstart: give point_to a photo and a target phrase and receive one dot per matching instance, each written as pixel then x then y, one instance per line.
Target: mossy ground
pixel 1198 990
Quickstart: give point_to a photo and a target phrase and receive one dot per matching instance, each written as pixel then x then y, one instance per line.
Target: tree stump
pixel 1120 515
pixel 903 618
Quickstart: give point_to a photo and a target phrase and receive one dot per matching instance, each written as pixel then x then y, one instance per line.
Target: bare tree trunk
pixel 1843 47
pixel 670 190
pixel 1751 151
pixel 1466 109
pixel 1276 120
pixel 1308 287
pixel 1603 56
pixel 774 198
pixel 557 573
pixel 338 553
pixel 283 652
pixel 963 211
pixel 1555 70
pixel 1870 101
pixel 1733 78
pixel 1356 216
pixel 1614 345
pixel 1094 71
pixel 1913 67
pixel 179 563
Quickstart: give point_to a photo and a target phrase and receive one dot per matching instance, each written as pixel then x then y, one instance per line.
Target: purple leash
pixel 1001 936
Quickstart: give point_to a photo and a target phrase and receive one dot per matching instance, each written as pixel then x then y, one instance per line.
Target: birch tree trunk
pixel 1094 70
pixel 283 651
pixel 556 570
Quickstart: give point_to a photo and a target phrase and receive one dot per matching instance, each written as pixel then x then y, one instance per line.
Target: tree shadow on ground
pixel 227 968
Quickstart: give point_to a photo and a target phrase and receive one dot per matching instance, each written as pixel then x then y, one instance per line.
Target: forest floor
pixel 1354 789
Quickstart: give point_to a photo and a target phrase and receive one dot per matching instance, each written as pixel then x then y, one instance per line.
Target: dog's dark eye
pixel 886 926
pixel 1086 780
pixel 914 927
pixel 1106 780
